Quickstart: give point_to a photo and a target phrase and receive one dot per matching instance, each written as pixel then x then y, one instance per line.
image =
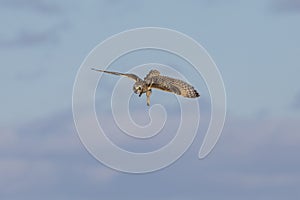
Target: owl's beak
pixel 140 94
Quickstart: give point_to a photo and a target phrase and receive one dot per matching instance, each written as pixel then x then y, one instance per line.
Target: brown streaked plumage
pixel 154 80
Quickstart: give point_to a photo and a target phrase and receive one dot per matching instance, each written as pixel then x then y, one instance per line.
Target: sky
pixel 255 45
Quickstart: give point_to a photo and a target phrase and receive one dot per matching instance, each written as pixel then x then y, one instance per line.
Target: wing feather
pixel 132 76
pixel 173 85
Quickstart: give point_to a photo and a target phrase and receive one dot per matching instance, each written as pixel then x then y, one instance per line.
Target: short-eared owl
pixel 155 80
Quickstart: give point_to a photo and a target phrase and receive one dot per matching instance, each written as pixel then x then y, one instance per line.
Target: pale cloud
pixel 29 38
pixel 41 6
pixel 253 137
pixel 47 155
pixel 42 23
pixel 42 156
pixel 296 102
pixel 23 176
pixel 286 5
pixel 101 174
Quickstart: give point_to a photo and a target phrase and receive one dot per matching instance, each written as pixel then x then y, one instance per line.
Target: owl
pixel 154 80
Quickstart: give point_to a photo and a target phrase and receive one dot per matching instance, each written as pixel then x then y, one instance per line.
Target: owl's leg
pixel 148 94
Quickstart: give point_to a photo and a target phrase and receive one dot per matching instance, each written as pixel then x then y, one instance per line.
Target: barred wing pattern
pixel 173 85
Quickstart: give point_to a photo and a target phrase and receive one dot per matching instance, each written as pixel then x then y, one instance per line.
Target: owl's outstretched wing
pixel 173 85
pixel 132 76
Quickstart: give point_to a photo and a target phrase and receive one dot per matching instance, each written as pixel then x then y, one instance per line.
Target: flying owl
pixel 154 80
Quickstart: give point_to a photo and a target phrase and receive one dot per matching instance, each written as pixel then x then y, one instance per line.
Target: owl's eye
pixel 139 88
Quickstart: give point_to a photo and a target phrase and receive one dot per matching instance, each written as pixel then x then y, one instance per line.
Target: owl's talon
pixel 148 93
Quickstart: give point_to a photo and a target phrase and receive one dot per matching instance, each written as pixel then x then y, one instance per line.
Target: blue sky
pixel 256 46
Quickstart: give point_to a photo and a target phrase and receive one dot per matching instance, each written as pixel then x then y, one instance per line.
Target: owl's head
pixel 138 87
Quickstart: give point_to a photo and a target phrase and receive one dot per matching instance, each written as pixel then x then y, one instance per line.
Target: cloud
pixel 295 105
pixel 33 32
pixel 26 38
pixel 41 6
pixel 32 38
pixel 286 5
pixel 42 156
pixel 45 158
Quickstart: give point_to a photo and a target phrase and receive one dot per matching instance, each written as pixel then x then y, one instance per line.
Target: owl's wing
pixel 151 74
pixel 173 85
pixel 132 76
